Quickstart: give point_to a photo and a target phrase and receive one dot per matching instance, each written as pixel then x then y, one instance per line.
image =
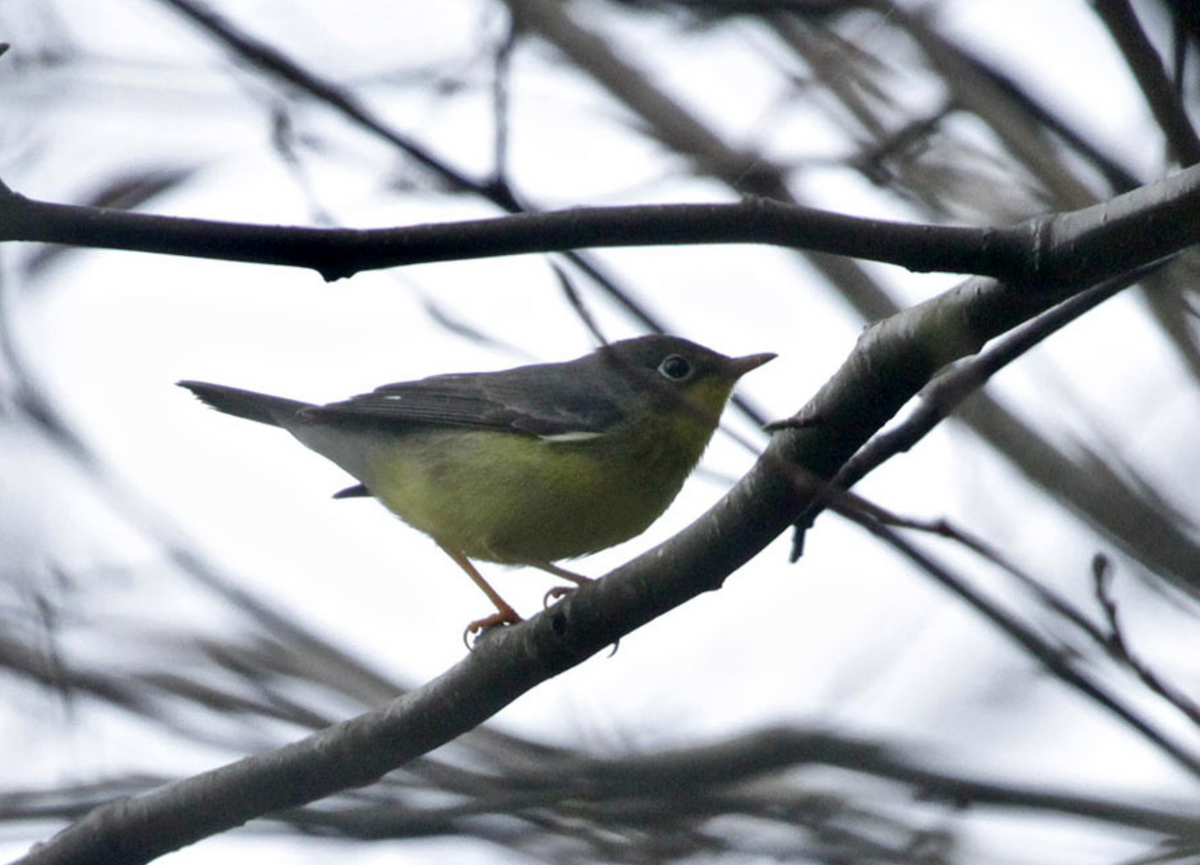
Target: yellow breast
pixel 517 499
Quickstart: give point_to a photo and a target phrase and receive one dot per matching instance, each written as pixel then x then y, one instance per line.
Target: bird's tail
pixel 261 407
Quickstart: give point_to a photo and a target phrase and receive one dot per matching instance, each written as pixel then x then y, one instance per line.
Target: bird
pixel 524 466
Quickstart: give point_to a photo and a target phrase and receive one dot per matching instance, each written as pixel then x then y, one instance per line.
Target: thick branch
pixel 1082 246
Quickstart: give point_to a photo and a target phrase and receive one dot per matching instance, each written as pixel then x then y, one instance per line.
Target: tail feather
pixel 260 407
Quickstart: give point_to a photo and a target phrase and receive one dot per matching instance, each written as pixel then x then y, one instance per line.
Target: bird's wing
pixel 541 401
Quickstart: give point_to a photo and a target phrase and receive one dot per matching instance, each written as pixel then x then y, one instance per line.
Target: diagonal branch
pixel 1147 67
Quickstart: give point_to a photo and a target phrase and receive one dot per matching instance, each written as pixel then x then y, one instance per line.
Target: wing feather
pixel 543 400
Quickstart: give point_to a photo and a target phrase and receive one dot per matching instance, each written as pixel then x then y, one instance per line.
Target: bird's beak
pixel 743 365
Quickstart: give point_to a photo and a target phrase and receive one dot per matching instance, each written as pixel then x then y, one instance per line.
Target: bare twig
pixel 1056 659
pixel 1117 645
pixel 948 390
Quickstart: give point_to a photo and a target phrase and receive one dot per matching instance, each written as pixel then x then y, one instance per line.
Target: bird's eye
pixel 675 367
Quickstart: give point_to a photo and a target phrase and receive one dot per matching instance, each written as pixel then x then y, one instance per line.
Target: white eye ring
pixel 675 367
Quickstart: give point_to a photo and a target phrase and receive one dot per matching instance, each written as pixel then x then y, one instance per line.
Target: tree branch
pixel 945 393
pixel 1080 246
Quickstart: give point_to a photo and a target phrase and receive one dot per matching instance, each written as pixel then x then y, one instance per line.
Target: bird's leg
pixel 551 568
pixel 505 614
pixel 560 591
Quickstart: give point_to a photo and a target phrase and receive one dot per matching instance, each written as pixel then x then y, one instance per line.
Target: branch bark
pixel 1081 246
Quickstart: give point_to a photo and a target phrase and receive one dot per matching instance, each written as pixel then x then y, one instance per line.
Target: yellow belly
pixel 517 499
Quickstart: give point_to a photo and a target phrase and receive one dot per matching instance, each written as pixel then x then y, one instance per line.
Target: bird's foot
pixel 556 593
pixel 479 627
pixel 562 591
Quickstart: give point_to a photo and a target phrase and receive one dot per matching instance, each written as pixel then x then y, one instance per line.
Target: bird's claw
pixel 479 627
pixel 554 594
pixel 561 592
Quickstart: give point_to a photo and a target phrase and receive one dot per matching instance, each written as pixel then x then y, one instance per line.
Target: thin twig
pixel 1054 658
pixel 1118 646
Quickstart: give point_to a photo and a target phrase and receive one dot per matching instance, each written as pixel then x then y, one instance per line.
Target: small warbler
pixel 525 466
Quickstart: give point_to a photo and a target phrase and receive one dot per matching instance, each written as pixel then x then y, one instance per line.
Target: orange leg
pixel 550 568
pixel 506 615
